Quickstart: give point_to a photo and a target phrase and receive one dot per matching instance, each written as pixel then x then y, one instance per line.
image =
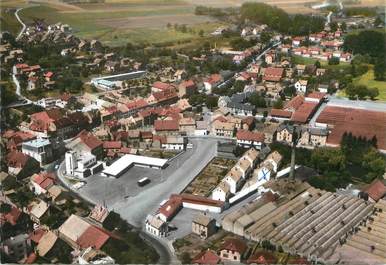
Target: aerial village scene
pixel 193 132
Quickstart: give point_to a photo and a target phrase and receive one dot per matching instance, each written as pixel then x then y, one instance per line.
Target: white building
pixel 156 226
pixel 82 164
pixel 40 149
pixel 301 86
pixel 221 192
pixel 48 103
pixel 201 128
pixel 174 143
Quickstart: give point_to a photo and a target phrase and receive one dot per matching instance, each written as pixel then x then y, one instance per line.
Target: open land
pixel 117 22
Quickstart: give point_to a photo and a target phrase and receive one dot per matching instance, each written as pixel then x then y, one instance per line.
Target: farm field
pixel 117 22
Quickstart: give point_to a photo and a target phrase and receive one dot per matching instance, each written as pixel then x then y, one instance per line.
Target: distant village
pixel 142 118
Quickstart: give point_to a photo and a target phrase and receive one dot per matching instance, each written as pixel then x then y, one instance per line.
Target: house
pixel 301 86
pixel 201 128
pixel 99 213
pixel 375 191
pixel 204 226
pixel 300 68
pixel 161 86
pixel 87 142
pixel 186 88
pixel 241 109
pixel 111 148
pixel 221 192
pixel 208 257
pixel 170 208
pixel 180 74
pixel 248 139
pixel 58 194
pixel 272 74
pixel 166 127
pixel 270 57
pixel 80 234
pixel 318 136
pixel 174 143
pixel 40 149
pixel 320 71
pixel 275 159
pixel 52 122
pixel 40 183
pixel 225 129
pixel 211 82
pixel 21 165
pixel 165 97
pixel 187 125
pixel 285 133
pixel 233 249
pixel 37 209
pixel 234 179
pixel 156 226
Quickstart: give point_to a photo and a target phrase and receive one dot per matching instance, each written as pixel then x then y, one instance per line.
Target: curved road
pixel 21 22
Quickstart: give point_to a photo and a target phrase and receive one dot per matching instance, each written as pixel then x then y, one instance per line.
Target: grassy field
pixel 368 80
pixel 116 23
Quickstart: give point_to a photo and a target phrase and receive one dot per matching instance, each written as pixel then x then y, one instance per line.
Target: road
pixel 21 22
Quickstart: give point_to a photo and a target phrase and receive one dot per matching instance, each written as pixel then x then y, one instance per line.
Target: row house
pixel 248 139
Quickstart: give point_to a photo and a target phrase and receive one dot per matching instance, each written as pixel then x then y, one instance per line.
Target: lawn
pixel 8 21
pixel 368 80
pixel 306 61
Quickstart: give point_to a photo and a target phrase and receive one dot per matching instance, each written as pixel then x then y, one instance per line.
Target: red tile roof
pixel 376 190
pixel 36 235
pixel 304 112
pixel 262 257
pixel 162 86
pixel 359 122
pixel 207 257
pixel 146 135
pixel 10 217
pixel 213 79
pixel 281 113
pixel 234 244
pixel 171 207
pixel 49 74
pixel 273 74
pixel 89 139
pixel 317 95
pixel 166 125
pixel 93 237
pixel 137 104
pixel 164 95
pixel 250 136
pixel 294 103
pixel 44 179
pixel 31 258
pixel 188 84
pixel 112 144
pixel 17 159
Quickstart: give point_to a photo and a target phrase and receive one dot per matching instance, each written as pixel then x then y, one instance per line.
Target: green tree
pixel 278 104
pixel 211 101
pixel 373 92
pixel 380 69
pixel 334 26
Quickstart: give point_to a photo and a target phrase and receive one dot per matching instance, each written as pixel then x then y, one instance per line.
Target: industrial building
pixel 127 161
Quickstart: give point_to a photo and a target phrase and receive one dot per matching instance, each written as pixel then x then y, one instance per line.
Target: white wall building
pixel 81 165
pixel 40 149
pixel 301 86
pixel 155 226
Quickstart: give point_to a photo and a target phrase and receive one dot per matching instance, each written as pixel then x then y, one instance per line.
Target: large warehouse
pixel 127 161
